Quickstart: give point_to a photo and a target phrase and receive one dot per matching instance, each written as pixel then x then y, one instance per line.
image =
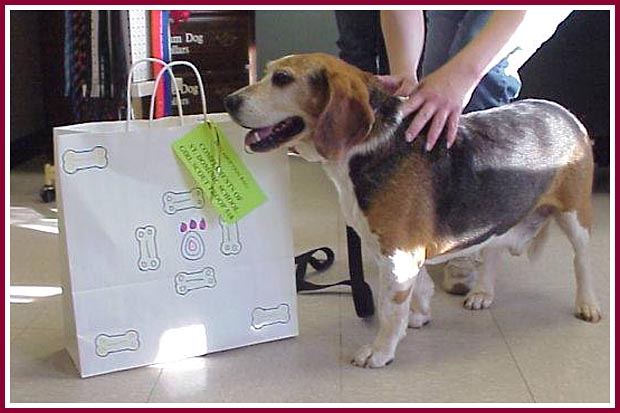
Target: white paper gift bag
pixel 152 273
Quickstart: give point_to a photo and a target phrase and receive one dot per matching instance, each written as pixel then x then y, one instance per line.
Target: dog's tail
pixel 535 248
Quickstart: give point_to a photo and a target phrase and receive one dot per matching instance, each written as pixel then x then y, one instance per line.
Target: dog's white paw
pixel 588 311
pixel 478 300
pixel 367 356
pixel 418 319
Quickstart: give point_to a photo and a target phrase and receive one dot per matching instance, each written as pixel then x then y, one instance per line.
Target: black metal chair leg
pixel 362 294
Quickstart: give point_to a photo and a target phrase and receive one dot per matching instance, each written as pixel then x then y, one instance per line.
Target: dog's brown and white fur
pixel 510 170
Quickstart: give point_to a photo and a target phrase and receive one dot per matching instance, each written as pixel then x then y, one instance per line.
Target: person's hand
pixel 438 100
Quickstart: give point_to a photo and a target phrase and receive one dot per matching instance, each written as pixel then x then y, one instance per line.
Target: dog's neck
pixel 385 106
pixel 375 154
pixel 387 121
pixel 362 170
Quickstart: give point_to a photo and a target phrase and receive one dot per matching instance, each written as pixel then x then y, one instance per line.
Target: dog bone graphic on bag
pixel 184 282
pixel 180 201
pixel 148 260
pixel 230 239
pixel 262 317
pixel 106 344
pixel 74 161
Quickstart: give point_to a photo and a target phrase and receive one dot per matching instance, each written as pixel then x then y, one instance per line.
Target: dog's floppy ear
pixel 347 116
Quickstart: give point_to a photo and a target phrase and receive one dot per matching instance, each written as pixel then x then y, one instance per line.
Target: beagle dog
pixel 510 171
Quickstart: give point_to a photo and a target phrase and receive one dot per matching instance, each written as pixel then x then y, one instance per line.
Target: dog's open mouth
pixel 271 137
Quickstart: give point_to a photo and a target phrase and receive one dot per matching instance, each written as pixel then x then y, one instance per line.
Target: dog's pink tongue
pixel 256 135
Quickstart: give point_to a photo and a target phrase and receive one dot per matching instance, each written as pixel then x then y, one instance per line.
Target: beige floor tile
pixel 528 347
pixel 42 372
pixel 304 369
pixel 36 311
pixel 563 359
pixel 49 313
pixel 15 332
pixel 459 357
pixel 34 257
pixel 22 315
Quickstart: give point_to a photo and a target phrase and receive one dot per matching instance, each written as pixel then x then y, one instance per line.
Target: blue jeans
pixel 448 31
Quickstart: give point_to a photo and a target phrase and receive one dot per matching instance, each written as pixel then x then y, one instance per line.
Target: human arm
pixel 440 97
pixel 403 32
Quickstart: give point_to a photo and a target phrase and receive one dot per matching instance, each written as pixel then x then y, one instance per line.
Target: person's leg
pixel 441 27
pixel 501 84
pixel 495 89
pixel 459 274
pixel 358 37
pixel 443 32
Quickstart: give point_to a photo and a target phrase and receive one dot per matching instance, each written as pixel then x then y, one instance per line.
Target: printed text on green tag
pixel 231 190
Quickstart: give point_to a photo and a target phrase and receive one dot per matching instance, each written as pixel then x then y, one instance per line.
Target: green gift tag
pixel 219 172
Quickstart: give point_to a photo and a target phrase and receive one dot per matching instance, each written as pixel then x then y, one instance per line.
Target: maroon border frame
pixel 328 4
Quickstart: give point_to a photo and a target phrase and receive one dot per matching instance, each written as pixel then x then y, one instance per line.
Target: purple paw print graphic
pixel 193 246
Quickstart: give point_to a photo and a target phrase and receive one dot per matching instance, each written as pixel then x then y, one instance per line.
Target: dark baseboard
pixel 30 146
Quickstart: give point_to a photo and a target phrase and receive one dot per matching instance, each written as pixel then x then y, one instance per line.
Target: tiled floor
pixel 527 348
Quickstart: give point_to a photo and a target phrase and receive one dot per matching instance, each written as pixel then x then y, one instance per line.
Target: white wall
pixel 283 32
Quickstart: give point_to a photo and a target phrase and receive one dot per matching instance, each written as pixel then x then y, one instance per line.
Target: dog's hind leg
pixel 586 305
pixel 398 276
pixel 482 293
pixel 420 307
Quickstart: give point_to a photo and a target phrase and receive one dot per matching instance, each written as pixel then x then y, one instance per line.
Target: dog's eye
pixel 281 78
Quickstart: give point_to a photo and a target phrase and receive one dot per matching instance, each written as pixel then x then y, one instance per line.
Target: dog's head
pixel 315 103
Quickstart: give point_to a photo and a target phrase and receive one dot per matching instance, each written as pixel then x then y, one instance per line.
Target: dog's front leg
pixel 398 273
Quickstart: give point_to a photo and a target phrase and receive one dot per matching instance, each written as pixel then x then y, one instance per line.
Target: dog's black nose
pixel 232 103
